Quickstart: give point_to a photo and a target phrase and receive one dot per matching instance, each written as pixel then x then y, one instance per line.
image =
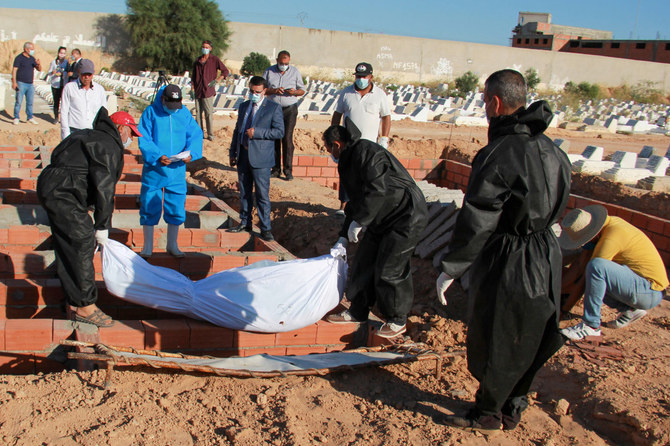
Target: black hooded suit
pixel 518 188
pixel 385 200
pixel 84 170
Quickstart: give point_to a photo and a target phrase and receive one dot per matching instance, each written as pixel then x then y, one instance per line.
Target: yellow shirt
pixel 626 245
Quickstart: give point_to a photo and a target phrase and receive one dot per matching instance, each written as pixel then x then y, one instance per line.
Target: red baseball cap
pixel 124 118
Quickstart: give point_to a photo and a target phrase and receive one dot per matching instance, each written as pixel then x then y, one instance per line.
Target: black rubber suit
pixel 83 172
pixel 385 200
pixel 518 188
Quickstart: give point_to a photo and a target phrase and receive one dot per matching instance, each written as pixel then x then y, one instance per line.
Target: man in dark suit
pixel 259 123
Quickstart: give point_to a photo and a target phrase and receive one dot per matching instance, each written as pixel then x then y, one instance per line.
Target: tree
pixel 168 33
pixel 254 64
pixel 532 79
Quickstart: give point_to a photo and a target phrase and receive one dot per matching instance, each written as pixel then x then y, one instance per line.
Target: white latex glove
pixel 383 141
pixel 443 283
pixel 339 249
pixel 101 236
pixel 354 230
pixel 211 84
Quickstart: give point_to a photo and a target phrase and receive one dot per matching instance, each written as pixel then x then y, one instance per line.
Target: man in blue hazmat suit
pixel 171 139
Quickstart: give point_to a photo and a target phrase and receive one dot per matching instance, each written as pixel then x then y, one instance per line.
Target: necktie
pixel 247 126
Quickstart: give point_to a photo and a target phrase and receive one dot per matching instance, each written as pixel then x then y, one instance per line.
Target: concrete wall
pixel 333 54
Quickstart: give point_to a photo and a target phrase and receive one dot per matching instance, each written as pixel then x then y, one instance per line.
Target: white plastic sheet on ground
pixel 268 297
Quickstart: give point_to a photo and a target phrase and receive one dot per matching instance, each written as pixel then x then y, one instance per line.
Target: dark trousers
pixel 290 118
pixel 56 93
pixel 505 391
pixel 381 274
pixel 73 237
pixel 248 178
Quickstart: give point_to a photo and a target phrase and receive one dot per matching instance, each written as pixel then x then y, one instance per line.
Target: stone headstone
pixel 625 160
pixel 647 152
pixel 658 165
pixel 593 153
pixel 667 153
pixel 563 144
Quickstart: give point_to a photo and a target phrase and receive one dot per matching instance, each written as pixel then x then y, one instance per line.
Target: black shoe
pixel 239 228
pixel 275 174
pixel 267 236
pixel 289 176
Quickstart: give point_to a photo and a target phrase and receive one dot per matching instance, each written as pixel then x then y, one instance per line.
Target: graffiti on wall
pixel 385 61
pixel 52 39
pixel 442 68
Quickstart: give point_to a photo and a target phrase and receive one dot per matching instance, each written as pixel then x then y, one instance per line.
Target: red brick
pixel 331 163
pixel 133 188
pixel 195 203
pixel 307 350
pixel 19 172
pixel 275 351
pixel 220 263
pixel 329 172
pixel 46 364
pixel 639 220
pixel 319 161
pixel 171 334
pixel 204 237
pixel 253 258
pixel 304 160
pixel 122 236
pixel 195 263
pixel 2 334
pixel 420 174
pixel 304 336
pixel 328 333
pixel 205 335
pixel 313 171
pixel 320 180
pixel 655 225
pixel 24 235
pixel 20 292
pixel 62 329
pixel 4 235
pixel 299 171
pixel 414 164
pixel 233 241
pixel 246 339
pixel 17 363
pixel 125 333
pixel 120 189
pixel 28 334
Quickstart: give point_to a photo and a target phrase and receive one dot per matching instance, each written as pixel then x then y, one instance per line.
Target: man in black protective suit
pixel 386 203
pixel 518 188
pixel 83 172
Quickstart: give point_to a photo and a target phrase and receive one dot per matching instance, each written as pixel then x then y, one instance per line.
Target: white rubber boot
pixel 172 248
pixel 148 242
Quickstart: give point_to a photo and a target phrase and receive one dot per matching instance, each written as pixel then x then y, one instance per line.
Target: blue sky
pixel 480 21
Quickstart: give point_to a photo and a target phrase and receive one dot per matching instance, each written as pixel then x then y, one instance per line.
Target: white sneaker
pixel 33 121
pixel 626 317
pixel 16 121
pixel 579 332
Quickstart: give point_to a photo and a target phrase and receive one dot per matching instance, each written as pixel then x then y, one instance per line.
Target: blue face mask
pixel 256 98
pixel 205 51
pixel 169 111
pixel 362 83
pixel 31 52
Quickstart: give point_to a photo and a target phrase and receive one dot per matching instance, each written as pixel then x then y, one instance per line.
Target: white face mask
pixel 128 142
pixel 205 51
pixel 282 68
pixel 31 52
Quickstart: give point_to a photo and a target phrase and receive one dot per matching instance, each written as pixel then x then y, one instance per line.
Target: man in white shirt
pixel 81 101
pixel 366 105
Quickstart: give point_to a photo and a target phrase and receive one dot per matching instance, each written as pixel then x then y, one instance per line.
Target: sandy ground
pixel 575 400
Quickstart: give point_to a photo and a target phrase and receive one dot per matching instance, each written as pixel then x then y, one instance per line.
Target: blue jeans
pixel 29 91
pixel 616 286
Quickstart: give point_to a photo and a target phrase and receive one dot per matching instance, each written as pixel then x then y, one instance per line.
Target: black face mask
pixel 590 246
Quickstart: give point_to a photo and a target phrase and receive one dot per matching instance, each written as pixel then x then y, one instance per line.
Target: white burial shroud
pixel 268 297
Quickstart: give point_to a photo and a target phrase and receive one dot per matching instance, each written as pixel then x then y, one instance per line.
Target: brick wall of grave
pixel 455 175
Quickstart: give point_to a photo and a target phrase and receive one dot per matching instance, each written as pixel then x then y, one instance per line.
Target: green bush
pixel 465 83
pixel 583 90
pixel 532 79
pixel 255 64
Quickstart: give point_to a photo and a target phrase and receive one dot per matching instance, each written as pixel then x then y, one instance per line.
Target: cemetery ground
pixel 576 399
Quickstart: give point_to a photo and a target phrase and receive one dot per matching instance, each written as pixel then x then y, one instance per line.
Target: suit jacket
pixel 268 126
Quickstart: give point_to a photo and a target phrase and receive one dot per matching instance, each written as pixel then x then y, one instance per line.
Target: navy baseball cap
pixel 363 69
pixel 172 97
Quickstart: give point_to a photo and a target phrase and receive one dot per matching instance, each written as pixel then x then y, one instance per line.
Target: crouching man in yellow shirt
pixel 625 272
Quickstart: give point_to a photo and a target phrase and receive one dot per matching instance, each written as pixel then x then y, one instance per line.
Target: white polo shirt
pixel 364 111
pixel 79 106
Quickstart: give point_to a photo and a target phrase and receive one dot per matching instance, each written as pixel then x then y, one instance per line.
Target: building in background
pixel 535 31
